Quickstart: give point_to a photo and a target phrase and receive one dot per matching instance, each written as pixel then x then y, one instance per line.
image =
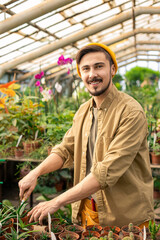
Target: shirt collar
pixel 108 99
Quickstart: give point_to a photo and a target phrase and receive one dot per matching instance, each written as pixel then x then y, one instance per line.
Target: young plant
pixel 153 228
pixel 14 235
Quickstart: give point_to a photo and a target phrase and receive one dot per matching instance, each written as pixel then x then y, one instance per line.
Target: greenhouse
pixel 80 119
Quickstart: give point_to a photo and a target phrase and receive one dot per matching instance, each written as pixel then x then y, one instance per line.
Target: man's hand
pixel 27 185
pixel 42 210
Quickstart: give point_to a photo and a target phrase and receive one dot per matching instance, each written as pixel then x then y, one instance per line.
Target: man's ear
pixel 113 70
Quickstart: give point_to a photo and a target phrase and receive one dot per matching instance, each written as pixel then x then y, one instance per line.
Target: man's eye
pixel 85 69
pixel 99 66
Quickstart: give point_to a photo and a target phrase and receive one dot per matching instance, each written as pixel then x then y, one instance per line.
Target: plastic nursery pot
pixel 74 228
pixel 89 234
pixel 125 230
pixel 56 229
pixel 114 229
pixel 68 236
pixel 96 228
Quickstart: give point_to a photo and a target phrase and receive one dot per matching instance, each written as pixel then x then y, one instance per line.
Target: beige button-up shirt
pixel 120 159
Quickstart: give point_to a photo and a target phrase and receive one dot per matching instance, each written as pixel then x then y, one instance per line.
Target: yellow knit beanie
pixel 111 53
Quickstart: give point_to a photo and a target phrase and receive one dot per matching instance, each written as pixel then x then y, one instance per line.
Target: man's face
pixel 96 72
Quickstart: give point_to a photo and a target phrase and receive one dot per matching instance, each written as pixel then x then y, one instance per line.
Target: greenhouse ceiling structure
pixel 34 34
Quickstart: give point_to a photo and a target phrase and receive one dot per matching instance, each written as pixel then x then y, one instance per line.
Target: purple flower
pixel 39 75
pixel 38 83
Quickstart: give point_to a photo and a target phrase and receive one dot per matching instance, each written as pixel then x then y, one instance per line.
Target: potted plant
pixel 154 229
pixel 56 229
pixel 68 236
pixel 96 228
pixel 89 234
pixel 41 236
pixel 156 153
pixel 6 219
pixel 110 235
pixel 74 228
pixel 14 235
pixel 130 228
pixel 114 229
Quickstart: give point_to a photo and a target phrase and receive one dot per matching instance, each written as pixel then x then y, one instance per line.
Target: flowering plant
pixel 63 61
pixel 45 91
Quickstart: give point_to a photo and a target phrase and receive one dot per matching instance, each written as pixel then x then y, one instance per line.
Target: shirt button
pixel 90 115
pixel 83 153
pixel 86 134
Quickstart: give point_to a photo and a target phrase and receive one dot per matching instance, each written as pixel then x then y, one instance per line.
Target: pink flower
pixel 61 60
pixel 69 60
pixel 40 88
pixel 68 72
pixel 39 75
pixel 38 83
pixel 50 91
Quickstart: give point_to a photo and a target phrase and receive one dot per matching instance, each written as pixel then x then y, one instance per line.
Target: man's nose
pixel 92 73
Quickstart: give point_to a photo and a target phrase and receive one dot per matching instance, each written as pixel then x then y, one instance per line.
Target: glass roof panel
pixel 9 39
pixel 15 45
pixel 92 12
pixel 59 26
pixel 102 16
pixel 49 21
pixel 86 5
pixel 29 30
pixel 25 5
pixel 71 29
pixel 32 46
pixel 10 56
pixel 4 16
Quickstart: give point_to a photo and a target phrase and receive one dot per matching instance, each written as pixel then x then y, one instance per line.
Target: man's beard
pixel 98 93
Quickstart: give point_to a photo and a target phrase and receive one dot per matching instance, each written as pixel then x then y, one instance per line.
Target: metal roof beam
pixel 31 13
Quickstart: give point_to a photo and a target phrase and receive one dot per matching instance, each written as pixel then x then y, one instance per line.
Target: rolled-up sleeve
pixel 122 150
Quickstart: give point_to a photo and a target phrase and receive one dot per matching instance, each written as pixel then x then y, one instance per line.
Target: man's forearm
pixel 52 163
pixel 85 188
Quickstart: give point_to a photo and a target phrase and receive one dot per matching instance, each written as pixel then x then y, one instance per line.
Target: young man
pixel 107 145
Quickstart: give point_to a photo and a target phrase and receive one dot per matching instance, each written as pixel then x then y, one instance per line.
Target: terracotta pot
pixel 74 228
pixel 28 147
pixel 18 152
pixel 155 159
pixel 8 225
pixel 59 186
pixel 125 230
pixel 114 229
pixel 59 230
pixel 96 228
pixel 38 237
pixel 89 234
pixel 2 238
pixel 156 194
pixel 70 235
pixel 115 236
